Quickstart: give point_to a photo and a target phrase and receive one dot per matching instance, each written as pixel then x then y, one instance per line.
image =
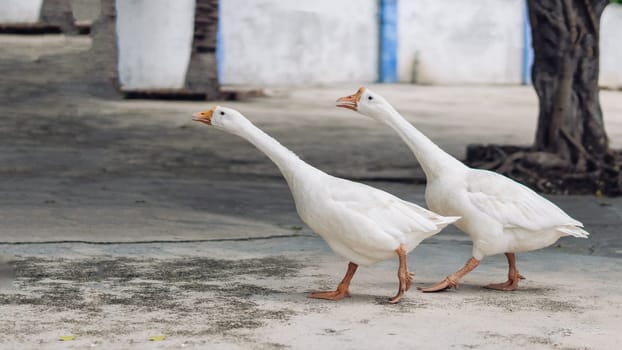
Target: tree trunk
pixel 58 13
pixel 571 151
pixel 103 55
pixel 202 75
pixel 565 77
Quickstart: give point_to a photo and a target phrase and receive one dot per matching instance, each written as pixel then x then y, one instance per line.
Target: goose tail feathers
pixel 574 231
pixel 446 220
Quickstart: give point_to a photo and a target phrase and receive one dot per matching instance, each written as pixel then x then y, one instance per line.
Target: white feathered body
pixel 499 214
pixel 361 223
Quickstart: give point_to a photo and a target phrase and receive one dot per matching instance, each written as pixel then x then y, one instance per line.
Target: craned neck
pixel 433 160
pixel 287 161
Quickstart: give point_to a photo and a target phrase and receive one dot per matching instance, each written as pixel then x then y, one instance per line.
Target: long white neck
pixel 287 161
pixel 433 160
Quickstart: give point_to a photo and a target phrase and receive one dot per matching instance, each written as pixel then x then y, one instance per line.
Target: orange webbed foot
pixel 343 289
pixel 405 284
pixel 447 283
pixel 505 286
pixel 396 299
pixel 510 284
pixel 330 295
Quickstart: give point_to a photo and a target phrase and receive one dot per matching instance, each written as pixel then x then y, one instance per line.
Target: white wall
pixel 155 42
pixel 296 42
pixel 611 47
pixel 457 41
pixel 20 11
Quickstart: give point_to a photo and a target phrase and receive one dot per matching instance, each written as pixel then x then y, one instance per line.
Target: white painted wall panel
pixel 20 11
pixel 611 47
pixel 457 41
pixel 296 42
pixel 155 42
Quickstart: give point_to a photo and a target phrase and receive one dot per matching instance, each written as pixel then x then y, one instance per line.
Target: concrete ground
pixel 123 220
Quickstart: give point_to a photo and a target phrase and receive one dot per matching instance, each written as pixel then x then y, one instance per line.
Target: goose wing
pixel 512 204
pixel 393 215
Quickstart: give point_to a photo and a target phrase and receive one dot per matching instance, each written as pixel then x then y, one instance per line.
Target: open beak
pixel 351 102
pixel 204 117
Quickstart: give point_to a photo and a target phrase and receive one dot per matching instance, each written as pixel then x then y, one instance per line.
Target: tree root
pixel 548 173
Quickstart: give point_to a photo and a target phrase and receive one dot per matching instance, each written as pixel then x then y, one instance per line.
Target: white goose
pixel 499 214
pixel 361 223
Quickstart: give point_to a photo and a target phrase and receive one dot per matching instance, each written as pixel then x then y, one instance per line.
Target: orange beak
pixel 204 117
pixel 351 102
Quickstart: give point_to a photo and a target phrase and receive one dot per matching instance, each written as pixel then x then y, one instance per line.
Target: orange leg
pixel 342 289
pixel 513 276
pixel 452 280
pixel 403 275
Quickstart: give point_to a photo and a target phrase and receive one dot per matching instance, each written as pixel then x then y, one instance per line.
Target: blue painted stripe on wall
pixel 388 41
pixel 219 44
pixel 527 47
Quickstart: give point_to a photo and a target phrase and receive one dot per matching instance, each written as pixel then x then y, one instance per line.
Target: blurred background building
pixel 193 45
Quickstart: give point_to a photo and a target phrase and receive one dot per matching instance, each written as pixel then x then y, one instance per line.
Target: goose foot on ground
pixel 342 289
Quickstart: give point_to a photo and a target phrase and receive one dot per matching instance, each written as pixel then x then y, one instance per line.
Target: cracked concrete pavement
pixel 122 220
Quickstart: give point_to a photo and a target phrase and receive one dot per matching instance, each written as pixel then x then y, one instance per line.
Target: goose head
pixel 366 102
pixel 221 118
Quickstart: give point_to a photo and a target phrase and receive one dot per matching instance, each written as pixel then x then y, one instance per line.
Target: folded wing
pixel 514 205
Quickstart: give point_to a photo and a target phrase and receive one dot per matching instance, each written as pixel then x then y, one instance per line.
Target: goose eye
pixel 222 113
pixel 370 98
